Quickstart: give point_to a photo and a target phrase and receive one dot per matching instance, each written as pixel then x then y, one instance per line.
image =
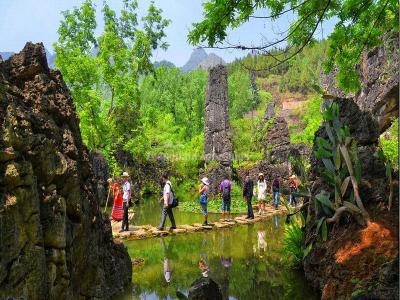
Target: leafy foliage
pixel 389 143
pixel 360 25
pixel 293 244
pixel 338 154
pixel 311 119
pixel 103 72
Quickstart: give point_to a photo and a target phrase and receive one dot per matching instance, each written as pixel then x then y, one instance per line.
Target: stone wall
pixel 54 241
pixel 217 135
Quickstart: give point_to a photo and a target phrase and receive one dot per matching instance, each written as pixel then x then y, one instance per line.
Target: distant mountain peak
pixel 164 63
pixel 197 56
pixel 211 61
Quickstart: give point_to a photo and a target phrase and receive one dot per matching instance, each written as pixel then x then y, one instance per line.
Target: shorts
pixel 226 205
pixel 204 209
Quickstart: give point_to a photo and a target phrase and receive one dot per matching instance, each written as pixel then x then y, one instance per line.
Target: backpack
pixel 175 201
pixel 226 192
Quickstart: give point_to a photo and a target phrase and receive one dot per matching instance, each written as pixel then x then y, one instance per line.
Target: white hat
pixel 125 174
pixel 205 181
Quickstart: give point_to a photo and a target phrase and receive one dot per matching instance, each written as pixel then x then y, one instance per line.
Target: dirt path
pixel 149 231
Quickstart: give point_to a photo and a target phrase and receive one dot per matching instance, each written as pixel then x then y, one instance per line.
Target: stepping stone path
pixel 137 232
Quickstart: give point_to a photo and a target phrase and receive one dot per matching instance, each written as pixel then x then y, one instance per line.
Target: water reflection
pixel 243 262
pixel 167 252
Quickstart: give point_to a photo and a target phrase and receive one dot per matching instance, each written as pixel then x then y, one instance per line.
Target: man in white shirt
pixel 126 188
pixel 167 199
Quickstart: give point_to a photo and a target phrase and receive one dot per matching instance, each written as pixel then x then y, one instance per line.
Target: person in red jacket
pixel 117 211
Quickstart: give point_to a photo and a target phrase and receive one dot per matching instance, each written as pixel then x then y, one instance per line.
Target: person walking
pixel 126 195
pixel 203 190
pixel 167 199
pixel 226 188
pixel 248 195
pixel 293 186
pixel 117 213
pixel 276 188
pixel 261 193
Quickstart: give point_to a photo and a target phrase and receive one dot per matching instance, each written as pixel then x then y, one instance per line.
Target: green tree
pixel 103 72
pixel 360 25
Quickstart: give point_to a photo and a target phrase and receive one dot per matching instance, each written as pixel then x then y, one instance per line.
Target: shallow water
pixel 245 261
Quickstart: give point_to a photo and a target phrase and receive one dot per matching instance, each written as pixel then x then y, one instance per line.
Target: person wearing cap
pixel 276 188
pixel 167 199
pixel 261 193
pixel 126 195
pixel 293 186
pixel 203 190
pixel 248 195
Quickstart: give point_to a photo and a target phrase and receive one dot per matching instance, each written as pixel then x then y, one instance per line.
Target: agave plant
pixel 339 156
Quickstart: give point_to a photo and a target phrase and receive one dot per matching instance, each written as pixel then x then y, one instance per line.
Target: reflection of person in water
pixel 226 262
pixel 262 244
pixel 203 288
pixel 249 245
pixel 167 253
pixel 275 220
pixel 205 270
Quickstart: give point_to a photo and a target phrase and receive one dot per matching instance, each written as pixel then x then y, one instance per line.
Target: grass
pixel 214 206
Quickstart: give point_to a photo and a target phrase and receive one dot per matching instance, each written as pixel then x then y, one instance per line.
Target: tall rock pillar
pixel 217 137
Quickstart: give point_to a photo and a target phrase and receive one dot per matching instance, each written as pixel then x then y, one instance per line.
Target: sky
pixel 38 20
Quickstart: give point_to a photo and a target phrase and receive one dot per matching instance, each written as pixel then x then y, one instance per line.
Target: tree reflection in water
pixel 232 258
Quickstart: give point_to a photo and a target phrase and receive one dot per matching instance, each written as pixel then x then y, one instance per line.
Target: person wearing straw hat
pixel 261 193
pixel 293 186
pixel 126 195
pixel 203 190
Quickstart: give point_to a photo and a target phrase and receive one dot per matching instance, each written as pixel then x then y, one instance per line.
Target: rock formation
pixel 54 241
pixel 101 174
pixel 205 288
pixel 367 113
pixel 217 136
pixel 378 71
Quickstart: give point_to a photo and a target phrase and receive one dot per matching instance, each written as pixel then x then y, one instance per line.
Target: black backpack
pixel 175 201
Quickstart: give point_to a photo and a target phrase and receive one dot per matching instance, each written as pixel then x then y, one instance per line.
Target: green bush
pixel 310 118
pixel 390 144
pixel 293 244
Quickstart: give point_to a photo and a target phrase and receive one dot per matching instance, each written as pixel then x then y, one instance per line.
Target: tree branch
pixel 281 13
pixel 304 44
pixel 242 47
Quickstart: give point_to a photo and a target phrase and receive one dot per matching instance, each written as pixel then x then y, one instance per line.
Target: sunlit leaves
pixel 360 26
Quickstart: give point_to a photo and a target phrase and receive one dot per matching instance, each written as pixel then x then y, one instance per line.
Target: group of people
pixel 122 201
pixel 225 189
pixel 122 197
pixel 249 189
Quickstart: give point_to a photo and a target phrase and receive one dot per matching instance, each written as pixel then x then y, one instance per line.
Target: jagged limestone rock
pixel 54 241
pixel 367 113
pixel 217 135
